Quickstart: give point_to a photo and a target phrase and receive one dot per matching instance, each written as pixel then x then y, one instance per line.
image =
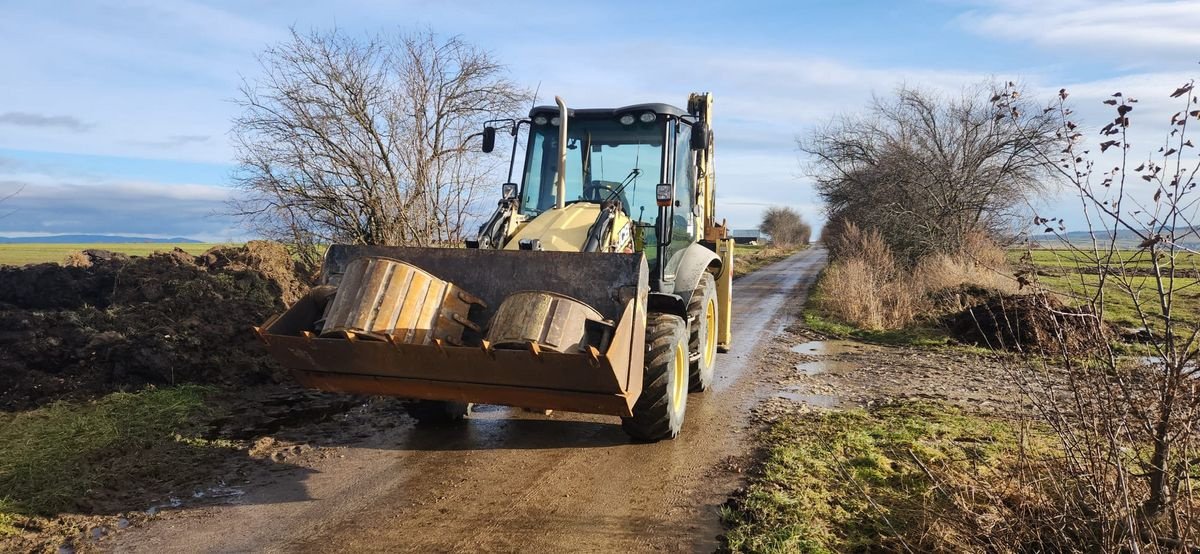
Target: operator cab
pixel 615 154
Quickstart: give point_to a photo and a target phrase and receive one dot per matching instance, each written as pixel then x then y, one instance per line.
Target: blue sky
pixel 114 114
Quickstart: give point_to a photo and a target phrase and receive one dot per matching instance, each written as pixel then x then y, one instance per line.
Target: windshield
pixel 604 158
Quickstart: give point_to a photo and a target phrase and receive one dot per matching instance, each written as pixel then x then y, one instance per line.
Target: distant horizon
pixel 85 238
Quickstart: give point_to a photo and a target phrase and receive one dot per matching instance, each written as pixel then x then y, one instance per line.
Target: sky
pixel 115 114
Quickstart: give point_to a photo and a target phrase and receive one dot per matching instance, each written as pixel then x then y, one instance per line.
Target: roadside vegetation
pixel 895 478
pixel 71 456
pixel 749 258
pixel 1105 462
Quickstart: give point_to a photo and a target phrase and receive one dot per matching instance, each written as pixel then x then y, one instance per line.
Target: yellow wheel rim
pixel 710 337
pixel 681 368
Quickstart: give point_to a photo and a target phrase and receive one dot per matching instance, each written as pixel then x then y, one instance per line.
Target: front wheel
pixel 658 413
pixel 702 340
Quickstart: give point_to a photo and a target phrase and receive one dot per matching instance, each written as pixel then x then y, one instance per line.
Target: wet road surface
pixel 514 481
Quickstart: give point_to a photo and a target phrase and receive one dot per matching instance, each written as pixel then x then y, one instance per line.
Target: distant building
pixel 748 236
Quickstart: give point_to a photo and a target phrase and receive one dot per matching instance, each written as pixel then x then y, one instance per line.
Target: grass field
pixel 36 253
pixel 1070 260
pixel 1073 274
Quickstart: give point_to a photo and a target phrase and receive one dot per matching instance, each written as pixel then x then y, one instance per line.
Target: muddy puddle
pixel 827 353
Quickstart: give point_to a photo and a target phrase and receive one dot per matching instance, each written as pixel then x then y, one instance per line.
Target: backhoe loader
pixel 601 284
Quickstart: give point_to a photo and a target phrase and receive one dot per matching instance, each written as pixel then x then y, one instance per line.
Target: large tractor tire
pixel 658 413
pixel 437 412
pixel 702 342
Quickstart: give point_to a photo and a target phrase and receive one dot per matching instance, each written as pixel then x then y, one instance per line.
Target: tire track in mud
pixel 513 481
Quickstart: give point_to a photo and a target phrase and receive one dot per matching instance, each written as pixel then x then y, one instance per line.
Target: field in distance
pixel 36 253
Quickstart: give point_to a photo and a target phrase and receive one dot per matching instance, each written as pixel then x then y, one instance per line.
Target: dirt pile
pixel 1027 322
pixel 108 322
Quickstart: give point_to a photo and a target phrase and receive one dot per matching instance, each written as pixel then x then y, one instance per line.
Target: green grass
pixel 33 253
pixel 1073 277
pixel 1071 260
pixel 919 335
pixel 53 458
pixel 847 481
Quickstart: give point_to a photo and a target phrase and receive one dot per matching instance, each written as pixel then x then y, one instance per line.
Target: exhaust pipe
pixel 561 185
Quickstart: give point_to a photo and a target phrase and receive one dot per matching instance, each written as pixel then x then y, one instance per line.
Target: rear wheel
pixel 434 412
pixel 658 413
pixel 702 341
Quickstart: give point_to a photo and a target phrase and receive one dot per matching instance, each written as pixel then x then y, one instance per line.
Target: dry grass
pixel 748 259
pixel 866 286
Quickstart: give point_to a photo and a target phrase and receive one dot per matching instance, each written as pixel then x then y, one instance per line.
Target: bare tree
pixel 927 170
pixel 365 141
pixel 1128 427
pixel 785 226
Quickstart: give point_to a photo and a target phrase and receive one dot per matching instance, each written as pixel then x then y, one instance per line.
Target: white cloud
pixel 1133 32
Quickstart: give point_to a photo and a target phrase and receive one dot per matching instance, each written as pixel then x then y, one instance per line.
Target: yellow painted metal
pixel 679 391
pixel 710 337
pixel 563 230
pixel 559 230
pixel 725 294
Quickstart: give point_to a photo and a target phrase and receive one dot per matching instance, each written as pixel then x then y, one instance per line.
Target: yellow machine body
pixel 544 251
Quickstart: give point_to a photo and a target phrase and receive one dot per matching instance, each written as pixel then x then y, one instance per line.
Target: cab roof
pixel 656 107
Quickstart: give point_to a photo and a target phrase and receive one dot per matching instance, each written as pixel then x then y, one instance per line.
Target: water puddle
pixel 832 347
pixel 827 349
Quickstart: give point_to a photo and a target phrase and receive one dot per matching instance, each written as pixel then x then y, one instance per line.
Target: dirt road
pixel 512 481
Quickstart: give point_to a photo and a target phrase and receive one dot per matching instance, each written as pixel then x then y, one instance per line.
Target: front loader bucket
pixel 602 381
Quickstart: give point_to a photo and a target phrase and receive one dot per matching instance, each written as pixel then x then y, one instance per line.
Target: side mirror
pixel 489 139
pixel 700 134
pixel 508 190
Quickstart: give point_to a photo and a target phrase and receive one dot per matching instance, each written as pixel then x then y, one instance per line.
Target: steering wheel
pixel 597 191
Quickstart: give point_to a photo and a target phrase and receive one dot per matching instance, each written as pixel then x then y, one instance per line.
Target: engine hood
pixel 559 230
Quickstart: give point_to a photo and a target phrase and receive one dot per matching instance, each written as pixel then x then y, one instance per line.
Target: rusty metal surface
pixel 570 401
pixel 603 281
pixel 551 321
pixel 614 284
pixel 391 300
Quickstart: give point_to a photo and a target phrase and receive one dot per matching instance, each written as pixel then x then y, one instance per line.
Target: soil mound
pixel 109 322
pixel 1027 322
pixel 269 259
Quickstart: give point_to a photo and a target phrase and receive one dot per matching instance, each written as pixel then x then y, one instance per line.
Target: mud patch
pixel 812 372
pixel 108 322
pixel 1027 322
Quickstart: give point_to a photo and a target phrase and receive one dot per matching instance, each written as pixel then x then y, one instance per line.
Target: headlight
pixel 627 119
pixel 540 120
pixel 648 117
pixel 554 121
